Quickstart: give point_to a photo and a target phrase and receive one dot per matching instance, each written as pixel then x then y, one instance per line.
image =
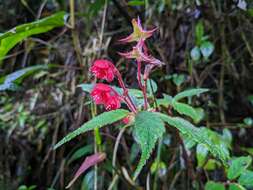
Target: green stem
pixel 97 143
pixel 158 158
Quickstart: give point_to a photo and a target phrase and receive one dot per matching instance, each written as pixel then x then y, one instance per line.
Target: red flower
pixel 140 55
pixel 138 32
pixel 103 69
pixel 106 95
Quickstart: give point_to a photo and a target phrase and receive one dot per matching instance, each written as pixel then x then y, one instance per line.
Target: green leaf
pixel 236 186
pixel 212 164
pixel 195 53
pixel 198 135
pixel 157 166
pixel 187 110
pixel 178 79
pixel 211 185
pixel 88 181
pixel 147 130
pixel 10 38
pixel 248 121
pixel 151 86
pixel 189 93
pixel 202 153
pixel 11 80
pixel 199 32
pixel 238 165
pixel 250 99
pixel 98 121
pixel 207 49
pixel 136 3
pixel 81 152
pixel 165 101
pixel 246 178
pixel 227 136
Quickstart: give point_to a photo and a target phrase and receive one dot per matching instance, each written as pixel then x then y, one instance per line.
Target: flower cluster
pixel 103 69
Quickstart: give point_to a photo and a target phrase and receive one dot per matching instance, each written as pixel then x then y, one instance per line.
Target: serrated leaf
pixel 10 38
pixel 211 185
pixel 238 165
pixel 207 49
pixel 187 110
pixel 98 121
pixel 246 178
pixel 189 93
pixel 147 130
pixel 196 134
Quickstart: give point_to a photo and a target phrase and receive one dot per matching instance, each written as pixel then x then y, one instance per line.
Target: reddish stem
pixel 139 74
pixel 126 96
pixel 145 95
pixel 142 87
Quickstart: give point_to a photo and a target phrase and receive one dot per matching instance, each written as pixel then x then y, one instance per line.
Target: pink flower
pixel 103 69
pixel 106 95
pixel 140 55
pixel 138 32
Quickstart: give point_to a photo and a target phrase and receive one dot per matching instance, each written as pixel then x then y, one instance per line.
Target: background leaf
pixel 9 39
pixel 238 165
pixel 189 93
pixel 202 153
pixel 246 178
pixel 11 80
pixel 211 185
pixel 136 3
pixel 195 53
pixel 187 110
pixel 207 49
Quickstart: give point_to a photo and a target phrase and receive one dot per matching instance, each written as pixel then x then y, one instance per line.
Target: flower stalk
pixel 105 70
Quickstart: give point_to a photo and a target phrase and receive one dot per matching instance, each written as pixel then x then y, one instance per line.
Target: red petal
pixel 102 63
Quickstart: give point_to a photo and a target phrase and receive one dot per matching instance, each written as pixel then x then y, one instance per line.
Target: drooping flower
pixel 140 54
pixel 103 69
pixel 105 95
pixel 138 32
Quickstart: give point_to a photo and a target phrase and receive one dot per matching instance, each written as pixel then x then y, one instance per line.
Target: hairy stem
pixel 142 87
pixel 126 96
